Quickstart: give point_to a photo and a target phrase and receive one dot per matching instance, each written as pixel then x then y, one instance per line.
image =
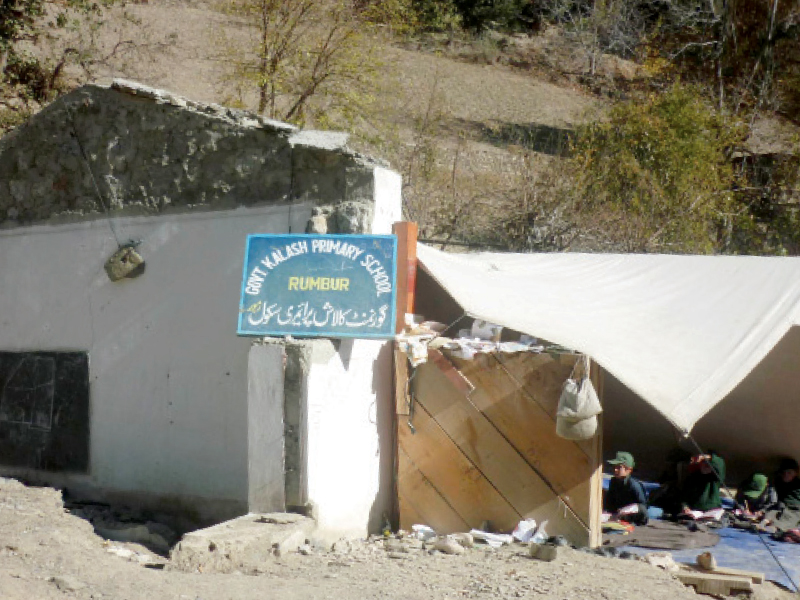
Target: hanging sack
pixel 578 406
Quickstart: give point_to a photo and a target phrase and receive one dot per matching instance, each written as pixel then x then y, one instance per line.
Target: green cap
pixel 755 486
pixel 623 458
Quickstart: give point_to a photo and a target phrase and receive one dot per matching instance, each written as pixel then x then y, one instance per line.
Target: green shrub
pixel 663 167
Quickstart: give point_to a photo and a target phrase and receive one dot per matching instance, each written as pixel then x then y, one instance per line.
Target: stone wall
pixel 136 150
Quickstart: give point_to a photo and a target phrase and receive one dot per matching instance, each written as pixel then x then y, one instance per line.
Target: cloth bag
pixel 578 406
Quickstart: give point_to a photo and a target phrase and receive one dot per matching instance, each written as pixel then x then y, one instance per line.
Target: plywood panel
pixel 541 377
pixel 421 503
pixel 564 464
pixel 492 454
pixel 457 479
pixel 408 514
pixel 486 448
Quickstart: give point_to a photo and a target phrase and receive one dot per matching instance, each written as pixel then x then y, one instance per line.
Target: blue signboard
pixel 319 285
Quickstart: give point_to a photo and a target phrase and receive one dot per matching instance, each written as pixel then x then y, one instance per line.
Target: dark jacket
pixel 788 493
pixel 701 490
pixel 622 492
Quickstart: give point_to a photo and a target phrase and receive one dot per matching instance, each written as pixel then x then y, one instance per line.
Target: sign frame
pixel 389 325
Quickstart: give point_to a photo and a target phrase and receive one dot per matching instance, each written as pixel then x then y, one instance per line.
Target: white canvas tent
pixel 680 332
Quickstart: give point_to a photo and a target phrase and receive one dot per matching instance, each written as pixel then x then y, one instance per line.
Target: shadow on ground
pixel 545 139
pixel 122 524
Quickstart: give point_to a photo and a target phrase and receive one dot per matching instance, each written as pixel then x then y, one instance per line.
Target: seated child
pixel 625 493
pixel 702 484
pixel 786 514
pixel 755 496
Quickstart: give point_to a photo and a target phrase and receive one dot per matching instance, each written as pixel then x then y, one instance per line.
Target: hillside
pixel 480 125
pixel 481 111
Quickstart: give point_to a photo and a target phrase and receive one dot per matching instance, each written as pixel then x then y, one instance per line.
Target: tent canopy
pixel 679 331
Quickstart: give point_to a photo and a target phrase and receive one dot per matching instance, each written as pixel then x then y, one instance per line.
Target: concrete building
pixel 139 391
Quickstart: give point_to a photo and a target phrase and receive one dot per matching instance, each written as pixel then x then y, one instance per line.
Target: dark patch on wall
pixel 44 410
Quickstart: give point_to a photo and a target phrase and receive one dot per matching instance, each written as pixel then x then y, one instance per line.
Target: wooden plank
pixel 493 455
pixel 408 514
pixel 753 576
pixel 406 287
pixel 531 430
pixel 402 402
pixel 712 583
pixel 453 475
pixel 421 503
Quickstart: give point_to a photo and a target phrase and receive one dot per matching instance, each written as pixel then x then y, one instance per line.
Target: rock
pixel 465 539
pixel 305 550
pixel 707 561
pixel 662 560
pixel 65 583
pixel 413 543
pixel 545 552
pixel 557 540
pixel 317 224
pixel 125 262
pixel 397 555
pixel 392 545
pixel 121 552
pixel 342 547
pixel 448 545
pixel 243 544
pixel 606 552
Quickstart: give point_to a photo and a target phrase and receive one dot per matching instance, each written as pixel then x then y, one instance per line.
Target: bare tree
pixel 598 26
pixel 296 51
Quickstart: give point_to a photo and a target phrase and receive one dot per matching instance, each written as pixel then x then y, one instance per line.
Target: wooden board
pixel 492 454
pixel 715 584
pixel 406 233
pixel 422 504
pixel 753 576
pixel 458 480
pixel 485 447
pixel 529 428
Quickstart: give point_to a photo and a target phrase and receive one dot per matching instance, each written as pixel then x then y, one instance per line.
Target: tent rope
pixel 757 532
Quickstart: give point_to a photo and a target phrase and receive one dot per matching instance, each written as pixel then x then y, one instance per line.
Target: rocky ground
pixel 47 552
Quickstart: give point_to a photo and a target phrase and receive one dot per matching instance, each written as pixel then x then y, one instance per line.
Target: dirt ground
pixel 47 553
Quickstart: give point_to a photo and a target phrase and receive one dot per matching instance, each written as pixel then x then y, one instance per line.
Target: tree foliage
pixel 298 52
pixel 658 173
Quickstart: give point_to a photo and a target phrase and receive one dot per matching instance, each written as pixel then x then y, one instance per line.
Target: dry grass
pixel 487 115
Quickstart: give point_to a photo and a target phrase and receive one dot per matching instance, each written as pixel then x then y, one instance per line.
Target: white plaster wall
pixel 349 437
pixel 168 373
pixel 388 200
pixel 350 442
pixel 265 437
